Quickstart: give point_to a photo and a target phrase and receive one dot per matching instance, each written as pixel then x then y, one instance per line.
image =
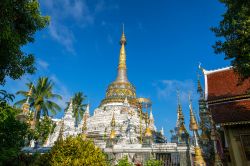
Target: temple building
pixel 123 125
pixel 228 102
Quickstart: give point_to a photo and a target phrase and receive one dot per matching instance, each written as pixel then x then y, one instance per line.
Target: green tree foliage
pixel 19 20
pixel 235 29
pixel 78 106
pixel 5 96
pixel 153 162
pixel 124 162
pixel 41 100
pixel 12 133
pixel 44 127
pixel 76 151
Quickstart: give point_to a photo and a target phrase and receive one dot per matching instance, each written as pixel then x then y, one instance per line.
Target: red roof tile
pixel 236 111
pixel 225 83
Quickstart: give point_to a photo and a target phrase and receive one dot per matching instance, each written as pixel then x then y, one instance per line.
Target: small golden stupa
pixel 198 160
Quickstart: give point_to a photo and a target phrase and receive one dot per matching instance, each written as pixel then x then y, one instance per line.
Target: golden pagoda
pixel 198 160
pixel 180 124
pixel 121 88
pixel 25 107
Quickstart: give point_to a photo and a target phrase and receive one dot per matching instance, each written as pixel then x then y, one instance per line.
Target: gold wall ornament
pixel 113 121
pixel 112 134
pixel 148 132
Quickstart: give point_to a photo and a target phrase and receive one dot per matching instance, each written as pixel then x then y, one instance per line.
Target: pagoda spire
pixel 198 160
pixel 26 105
pixel 180 116
pixel 193 124
pixel 199 87
pixel 122 67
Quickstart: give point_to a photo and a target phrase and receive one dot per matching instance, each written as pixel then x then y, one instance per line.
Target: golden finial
pixel 193 124
pixel 123 38
pixel 122 68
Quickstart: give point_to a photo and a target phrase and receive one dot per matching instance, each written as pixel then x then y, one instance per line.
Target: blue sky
pixel 166 40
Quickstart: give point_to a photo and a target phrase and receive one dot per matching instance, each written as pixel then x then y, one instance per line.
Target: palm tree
pixel 41 100
pixel 78 106
pixel 5 96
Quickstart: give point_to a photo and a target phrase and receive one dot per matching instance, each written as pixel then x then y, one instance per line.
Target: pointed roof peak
pixel 30 91
pixel 199 88
pixel 87 109
pixel 123 40
pixel 71 102
pixel 162 130
pixel 123 28
pixel 193 124
pixel 151 114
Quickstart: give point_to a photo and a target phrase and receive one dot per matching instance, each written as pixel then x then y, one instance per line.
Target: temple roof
pixel 224 83
pixel 228 99
pixel 231 112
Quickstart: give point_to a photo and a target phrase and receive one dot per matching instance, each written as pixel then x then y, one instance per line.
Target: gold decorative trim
pixel 246 96
pixel 234 123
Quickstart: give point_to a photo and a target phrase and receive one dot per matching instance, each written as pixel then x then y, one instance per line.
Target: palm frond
pixel 19 103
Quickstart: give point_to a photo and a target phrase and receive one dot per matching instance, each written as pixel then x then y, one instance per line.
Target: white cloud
pixel 42 65
pixel 63 35
pixel 62 11
pixel 76 13
pixel 167 89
